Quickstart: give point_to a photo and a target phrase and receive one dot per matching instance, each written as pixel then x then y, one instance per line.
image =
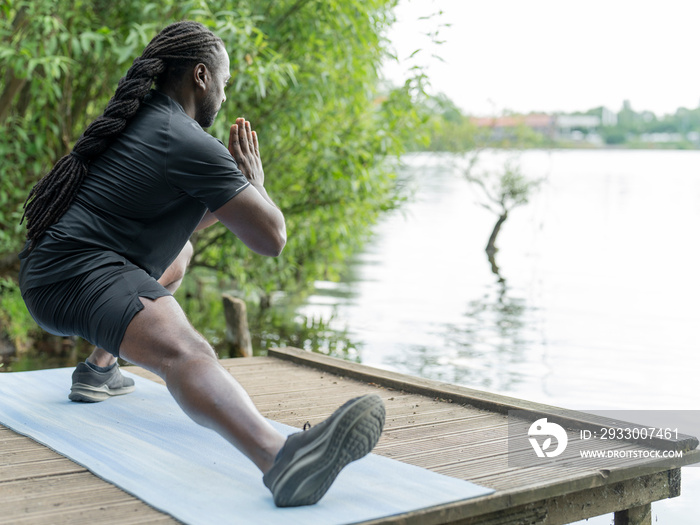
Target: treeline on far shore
pixel 454 130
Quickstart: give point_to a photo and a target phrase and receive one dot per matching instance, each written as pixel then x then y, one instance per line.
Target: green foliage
pixel 279 328
pixel 17 325
pixel 636 129
pixel 276 325
pixel 50 52
pixel 323 131
pixel 304 72
pixel 614 136
pixel 449 129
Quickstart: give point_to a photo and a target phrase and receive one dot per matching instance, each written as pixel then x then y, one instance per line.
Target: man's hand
pixel 251 215
pixel 243 145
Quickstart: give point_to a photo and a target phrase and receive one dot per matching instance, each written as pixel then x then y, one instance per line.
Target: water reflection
pixel 486 349
pixel 579 308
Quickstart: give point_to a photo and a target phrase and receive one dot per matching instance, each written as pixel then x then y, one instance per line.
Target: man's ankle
pixel 101 358
pixel 101 369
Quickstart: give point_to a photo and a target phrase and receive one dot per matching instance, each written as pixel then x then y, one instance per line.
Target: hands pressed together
pixel 243 146
pixel 252 215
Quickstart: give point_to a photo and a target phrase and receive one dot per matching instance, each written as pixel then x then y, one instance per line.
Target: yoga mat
pixel 144 444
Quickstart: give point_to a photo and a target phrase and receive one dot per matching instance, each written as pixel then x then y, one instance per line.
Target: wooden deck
pixel 448 429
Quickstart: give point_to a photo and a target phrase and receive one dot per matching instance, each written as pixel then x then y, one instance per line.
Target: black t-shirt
pixel 141 199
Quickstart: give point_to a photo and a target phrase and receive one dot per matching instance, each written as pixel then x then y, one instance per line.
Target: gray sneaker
pixel 309 461
pixel 91 386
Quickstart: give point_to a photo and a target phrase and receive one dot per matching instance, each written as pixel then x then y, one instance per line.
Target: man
pixel 108 231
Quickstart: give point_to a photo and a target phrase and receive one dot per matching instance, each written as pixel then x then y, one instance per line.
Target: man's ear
pixel 201 75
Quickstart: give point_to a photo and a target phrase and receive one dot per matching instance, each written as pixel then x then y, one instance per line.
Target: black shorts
pixel 97 305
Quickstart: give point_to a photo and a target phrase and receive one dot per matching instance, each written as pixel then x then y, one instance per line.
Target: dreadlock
pixel 176 47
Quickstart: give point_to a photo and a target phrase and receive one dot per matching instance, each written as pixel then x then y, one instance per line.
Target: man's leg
pixel 173 275
pixel 299 469
pixel 171 281
pixel 161 339
pixel 99 378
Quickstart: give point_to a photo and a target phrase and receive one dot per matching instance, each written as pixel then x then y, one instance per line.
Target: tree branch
pixel 12 86
pixel 298 5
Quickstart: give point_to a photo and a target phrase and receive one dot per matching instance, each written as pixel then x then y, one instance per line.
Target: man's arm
pixel 208 219
pixel 252 215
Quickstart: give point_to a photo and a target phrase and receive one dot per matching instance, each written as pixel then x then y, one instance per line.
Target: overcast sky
pixel 554 55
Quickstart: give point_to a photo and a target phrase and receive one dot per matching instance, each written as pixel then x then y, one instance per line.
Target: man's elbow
pixel 282 241
pixel 276 244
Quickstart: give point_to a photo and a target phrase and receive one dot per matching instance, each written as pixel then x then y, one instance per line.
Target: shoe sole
pixel 91 394
pixel 351 436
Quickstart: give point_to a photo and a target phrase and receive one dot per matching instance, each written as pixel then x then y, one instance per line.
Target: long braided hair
pixel 175 48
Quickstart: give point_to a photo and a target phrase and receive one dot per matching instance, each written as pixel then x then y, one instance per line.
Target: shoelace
pixel 307 426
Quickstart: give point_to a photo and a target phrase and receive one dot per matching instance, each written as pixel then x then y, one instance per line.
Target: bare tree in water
pixel 501 191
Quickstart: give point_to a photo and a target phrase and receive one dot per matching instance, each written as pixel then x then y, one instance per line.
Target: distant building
pixel 575 128
pixel 578 128
pixel 567 123
pixel 608 117
pixel 660 138
pixel 503 126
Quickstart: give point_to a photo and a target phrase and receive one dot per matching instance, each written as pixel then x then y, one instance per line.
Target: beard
pixel 207 114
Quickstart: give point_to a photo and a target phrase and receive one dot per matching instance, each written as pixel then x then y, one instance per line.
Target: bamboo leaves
pixel 304 72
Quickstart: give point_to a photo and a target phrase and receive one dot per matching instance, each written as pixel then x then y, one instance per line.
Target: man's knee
pixel 182 261
pixel 175 356
pixel 187 252
pixel 173 275
pixel 186 351
pixel 159 337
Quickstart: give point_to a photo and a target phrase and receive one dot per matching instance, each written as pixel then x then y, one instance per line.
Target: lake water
pixel 595 305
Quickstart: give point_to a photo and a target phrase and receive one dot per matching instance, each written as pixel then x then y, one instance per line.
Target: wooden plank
pixel 47 504
pixel 592 502
pixel 433 425
pixel 640 515
pixel 60 465
pixel 565 508
pixel 64 484
pixel 511 481
pixel 132 512
pixel 38 485
pixel 493 402
pixel 44 495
